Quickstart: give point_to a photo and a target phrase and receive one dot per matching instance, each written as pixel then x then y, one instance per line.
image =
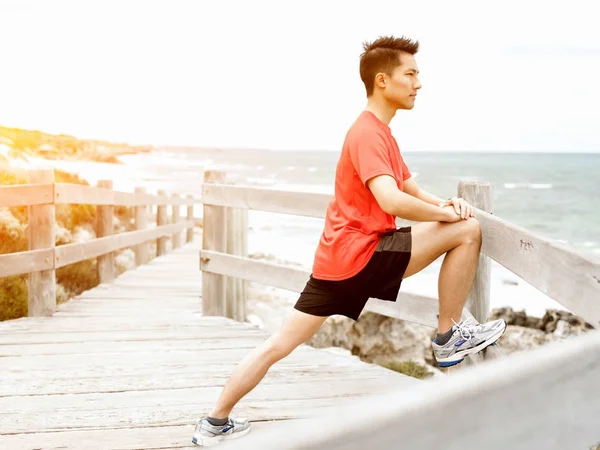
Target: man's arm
pixel 462 208
pixel 412 188
pixel 401 204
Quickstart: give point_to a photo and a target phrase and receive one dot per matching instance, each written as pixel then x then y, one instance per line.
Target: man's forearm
pixel 429 198
pixel 409 207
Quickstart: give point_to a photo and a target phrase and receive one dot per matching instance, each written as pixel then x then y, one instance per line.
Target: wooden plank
pixel 237 231
pixel 103 341
pixel 41 285
pixel 26 262
pixel 162 199
pixel 65 324
pixel 80 251
pixel 270 200
pixel 410 307
pixel 270 274
pixel 26 194
pixel 161 220
pixel 163 375
pixel 176 377
pixel 544 398
pixel 162 363
pixel 176 238
pixel 104 227
pixel 214 237
pixel 116 361
pixel 66 193
pixel 481 196
pixel 570 278
pixel 129 345
pixel 163 412
pixel 190 218
pixel 290 389
pixel 141 223
pixel 126 438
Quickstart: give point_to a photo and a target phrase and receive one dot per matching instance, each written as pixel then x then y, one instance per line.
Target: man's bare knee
pixel 279 346
pixel 472 231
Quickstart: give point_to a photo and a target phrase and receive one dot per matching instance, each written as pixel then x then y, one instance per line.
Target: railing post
pixel 237 229
pixel 480 195
pixel 237 244
pixel 190 217
pixel 41 233
pixel 232 294
pixel 175 218
pixel 161 219
pixel 214 237
pixel 104 227
pixel 141 222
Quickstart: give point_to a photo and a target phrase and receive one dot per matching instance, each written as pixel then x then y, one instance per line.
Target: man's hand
pixel 451 214
pixel 461 207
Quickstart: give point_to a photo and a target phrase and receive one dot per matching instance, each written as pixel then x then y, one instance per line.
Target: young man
pixel 361 254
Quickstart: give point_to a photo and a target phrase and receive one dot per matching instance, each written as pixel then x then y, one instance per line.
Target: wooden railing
pixel 563 274
pixel 43 257
pixel 543 398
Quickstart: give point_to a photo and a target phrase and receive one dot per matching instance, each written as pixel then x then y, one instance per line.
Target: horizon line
pixel 217 148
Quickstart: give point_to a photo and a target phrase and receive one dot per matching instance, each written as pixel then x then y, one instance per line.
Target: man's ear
pixel 380 80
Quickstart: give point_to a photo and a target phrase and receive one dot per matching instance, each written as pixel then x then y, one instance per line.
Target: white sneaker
pixel 468 336
pixel 207 435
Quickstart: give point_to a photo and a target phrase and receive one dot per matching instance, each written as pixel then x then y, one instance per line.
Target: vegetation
pixel 410 368
pixel 33 142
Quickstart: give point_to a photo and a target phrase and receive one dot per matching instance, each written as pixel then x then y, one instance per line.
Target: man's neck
pixel 382 110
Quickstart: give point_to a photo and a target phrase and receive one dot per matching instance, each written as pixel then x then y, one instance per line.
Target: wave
pixel 528 186
pixel 318 188
pixel 261 181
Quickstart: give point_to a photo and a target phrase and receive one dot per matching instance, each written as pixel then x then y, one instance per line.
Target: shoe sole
pixel 476 349
pixel 204 441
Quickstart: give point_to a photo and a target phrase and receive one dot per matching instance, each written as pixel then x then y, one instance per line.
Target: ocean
pixel 556 196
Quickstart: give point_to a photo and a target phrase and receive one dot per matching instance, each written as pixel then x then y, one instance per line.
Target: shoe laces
pixel 466 328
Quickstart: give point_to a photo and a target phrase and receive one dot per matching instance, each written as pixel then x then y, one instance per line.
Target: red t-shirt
pixel 354 221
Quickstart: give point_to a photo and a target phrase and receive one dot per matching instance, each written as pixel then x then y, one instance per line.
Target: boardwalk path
pixel 132 364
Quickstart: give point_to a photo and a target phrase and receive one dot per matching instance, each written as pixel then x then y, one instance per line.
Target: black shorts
pixel 381 278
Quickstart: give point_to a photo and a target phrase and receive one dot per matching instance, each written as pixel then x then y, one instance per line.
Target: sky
pixel 507 76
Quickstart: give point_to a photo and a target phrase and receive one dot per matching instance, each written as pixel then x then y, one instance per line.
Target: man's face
pixel 401 87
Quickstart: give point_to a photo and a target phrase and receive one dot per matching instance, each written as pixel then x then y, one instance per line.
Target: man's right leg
pixel 461 242
pixel 298 329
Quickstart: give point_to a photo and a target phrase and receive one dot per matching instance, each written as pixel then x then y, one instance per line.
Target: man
pixel 361 254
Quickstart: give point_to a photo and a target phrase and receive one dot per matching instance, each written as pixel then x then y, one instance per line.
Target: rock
pixel 125 260
pixel 83 233
pixel 377 339
pixel 518 318
pixel 518 338
pixel 573 325
pixel 62 236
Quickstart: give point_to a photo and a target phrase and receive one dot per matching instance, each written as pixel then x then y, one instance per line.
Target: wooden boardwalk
pixel 132 364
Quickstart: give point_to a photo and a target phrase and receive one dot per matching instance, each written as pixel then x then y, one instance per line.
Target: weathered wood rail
pixel 565 275
pixel 43 257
